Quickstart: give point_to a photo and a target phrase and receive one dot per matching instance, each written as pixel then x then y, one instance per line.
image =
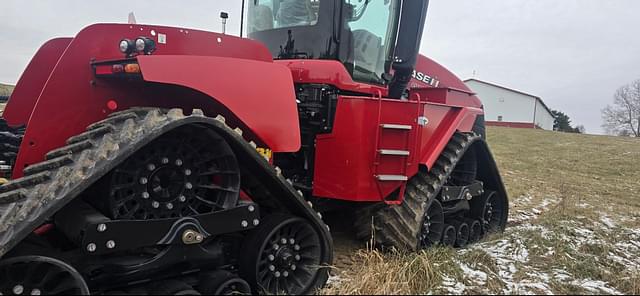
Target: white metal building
pixel 508 107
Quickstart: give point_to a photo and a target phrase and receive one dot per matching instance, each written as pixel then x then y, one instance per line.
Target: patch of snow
pixel 334 279
pixel 561 275
pixel 596 286
pixel 476 276
pixel 452 286
pixel 606 220
pixel 533 212
pixel 584 205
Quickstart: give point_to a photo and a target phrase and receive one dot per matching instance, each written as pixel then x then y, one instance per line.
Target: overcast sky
pixel 572 53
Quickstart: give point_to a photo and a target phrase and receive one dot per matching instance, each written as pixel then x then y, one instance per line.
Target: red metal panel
pixel 432 74
pixel 268 106
pixel 73 98
pixel 328 72
pixel 345 158
pixel 444 122
pixel 33 79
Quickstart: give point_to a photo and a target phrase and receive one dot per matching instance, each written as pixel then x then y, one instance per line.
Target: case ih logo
pixel 425 78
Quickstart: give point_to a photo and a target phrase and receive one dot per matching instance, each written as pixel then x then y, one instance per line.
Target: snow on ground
pixel 606 220
pixel 597 287
pixel 452 286
pixel 511 254
pixel 531 212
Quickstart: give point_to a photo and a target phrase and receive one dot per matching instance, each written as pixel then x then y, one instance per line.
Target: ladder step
pixel 393 152
pixel 392 178
pixel 396 126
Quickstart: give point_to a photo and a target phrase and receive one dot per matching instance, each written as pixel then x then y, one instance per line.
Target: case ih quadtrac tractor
pixel 150 159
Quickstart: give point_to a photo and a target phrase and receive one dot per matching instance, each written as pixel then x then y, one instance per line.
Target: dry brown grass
pixel 392 273
pixel 574 227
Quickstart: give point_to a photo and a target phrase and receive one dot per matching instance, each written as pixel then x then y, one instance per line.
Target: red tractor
pixel 151 159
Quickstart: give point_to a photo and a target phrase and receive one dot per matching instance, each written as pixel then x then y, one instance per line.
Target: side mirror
pixel 412 20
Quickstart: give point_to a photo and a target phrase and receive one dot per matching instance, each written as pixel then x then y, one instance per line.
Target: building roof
pixel 512 90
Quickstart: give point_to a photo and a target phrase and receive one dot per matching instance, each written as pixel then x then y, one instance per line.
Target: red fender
pixel 260 94
pixel 72 97
pixel 33 79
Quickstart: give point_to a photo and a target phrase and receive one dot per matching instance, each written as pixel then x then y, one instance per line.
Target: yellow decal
pixel 266 153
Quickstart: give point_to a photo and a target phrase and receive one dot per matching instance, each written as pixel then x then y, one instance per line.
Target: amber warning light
pixel 115 69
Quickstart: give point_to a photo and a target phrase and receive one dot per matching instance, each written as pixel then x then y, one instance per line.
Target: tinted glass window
pixel 372 25
pixel 273 14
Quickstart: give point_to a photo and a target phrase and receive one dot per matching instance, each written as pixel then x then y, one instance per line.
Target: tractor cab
pixel 371 38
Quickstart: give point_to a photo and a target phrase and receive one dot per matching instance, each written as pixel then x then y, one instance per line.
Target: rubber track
pixel 10 139
pixel 27 202
pixel 399 226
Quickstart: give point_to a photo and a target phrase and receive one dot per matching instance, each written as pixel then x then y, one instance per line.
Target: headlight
pixel 126 46
pixel 145 45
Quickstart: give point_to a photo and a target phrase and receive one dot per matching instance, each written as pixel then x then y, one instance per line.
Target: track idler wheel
pixel 475 230
pixel 462 234
pixel 223 283
pixel 449 235
pixel 283 255
pixel 491 209
pixel 37 275
pixel 432 224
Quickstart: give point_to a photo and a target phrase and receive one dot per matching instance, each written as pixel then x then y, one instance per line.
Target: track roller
pixel 222 282
pixel 449 235
pixel 283 255
pixel 37 275
pixel 462 233
pixel 475 230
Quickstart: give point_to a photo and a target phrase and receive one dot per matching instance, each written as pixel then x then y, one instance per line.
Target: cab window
pixel 373 26
pixel 274 14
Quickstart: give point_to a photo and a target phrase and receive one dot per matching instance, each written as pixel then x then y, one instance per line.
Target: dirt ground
pixel 574 227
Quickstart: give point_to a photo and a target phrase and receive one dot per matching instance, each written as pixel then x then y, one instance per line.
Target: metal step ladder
pixel 404 153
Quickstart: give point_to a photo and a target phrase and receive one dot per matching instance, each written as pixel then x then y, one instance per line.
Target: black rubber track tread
pixel 118 137
pixel 25 182
pixel 94 133
pixel 115 118
pixel 12 196
pixel 10 138
pixel 399 226
pixel 70 149
pixel 48 165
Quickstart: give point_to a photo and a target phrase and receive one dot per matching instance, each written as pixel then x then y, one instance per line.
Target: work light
pixel 145 45
pixel 126 46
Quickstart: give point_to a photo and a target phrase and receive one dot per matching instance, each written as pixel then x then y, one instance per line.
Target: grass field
pixel 574 227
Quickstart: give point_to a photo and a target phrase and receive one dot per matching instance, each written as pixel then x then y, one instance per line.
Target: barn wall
pixel 544 119
pixel 513 107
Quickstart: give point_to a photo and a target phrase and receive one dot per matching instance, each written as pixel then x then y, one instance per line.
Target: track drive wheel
pixel 283 255
pixel 37 275
pixel 491 209
pixel 188 171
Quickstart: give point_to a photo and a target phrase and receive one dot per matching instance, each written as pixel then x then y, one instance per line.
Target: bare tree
pixel 623 117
